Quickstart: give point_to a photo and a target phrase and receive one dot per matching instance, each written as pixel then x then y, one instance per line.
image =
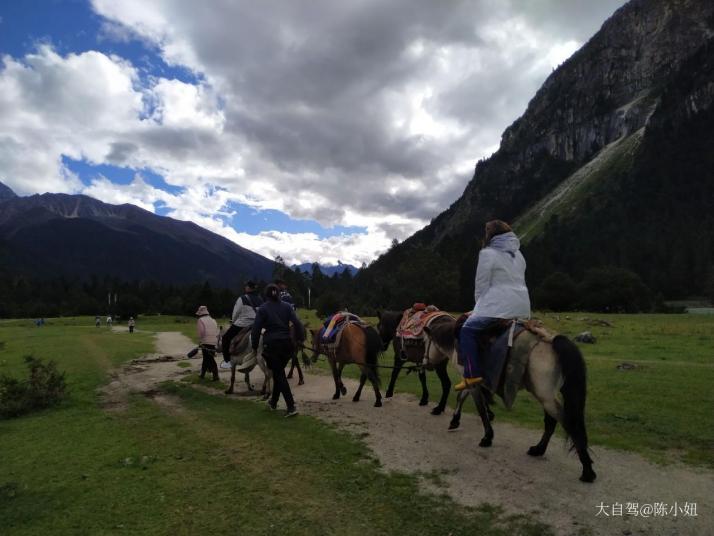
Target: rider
pixel 241 320
pixel 284 293
pixel 207 333
pixel 275 317
pixel 500 292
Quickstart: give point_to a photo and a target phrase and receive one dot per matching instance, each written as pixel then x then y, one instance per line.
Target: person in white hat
pixel 207 335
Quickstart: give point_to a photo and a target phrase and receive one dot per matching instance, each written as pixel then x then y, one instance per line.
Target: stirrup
pixel 467 383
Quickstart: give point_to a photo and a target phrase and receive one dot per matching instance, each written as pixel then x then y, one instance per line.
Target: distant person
pixel 242 319
pixel 275 316
pixel 97 321
pixel 284 292
pixel 109 320
pixel 131 324
pixel 207 334
pixel 500 293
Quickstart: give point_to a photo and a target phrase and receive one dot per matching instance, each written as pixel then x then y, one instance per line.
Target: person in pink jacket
pixel 207 336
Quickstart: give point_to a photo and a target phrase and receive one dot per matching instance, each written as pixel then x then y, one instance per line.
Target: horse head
pixel 387 326
pixel 315 343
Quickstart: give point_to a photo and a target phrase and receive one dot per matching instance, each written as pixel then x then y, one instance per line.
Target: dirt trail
pixel 405 437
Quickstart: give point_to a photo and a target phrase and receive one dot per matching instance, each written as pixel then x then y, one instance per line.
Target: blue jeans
pixel 468 343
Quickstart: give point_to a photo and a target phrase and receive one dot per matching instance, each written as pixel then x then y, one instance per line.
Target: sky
pixel 314 130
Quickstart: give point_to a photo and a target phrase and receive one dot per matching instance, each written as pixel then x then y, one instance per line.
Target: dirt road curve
pixel 405 437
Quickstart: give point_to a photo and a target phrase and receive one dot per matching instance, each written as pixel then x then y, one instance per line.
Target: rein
pixel 318 352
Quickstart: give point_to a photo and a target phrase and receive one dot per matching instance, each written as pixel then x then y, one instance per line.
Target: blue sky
pixel 315 130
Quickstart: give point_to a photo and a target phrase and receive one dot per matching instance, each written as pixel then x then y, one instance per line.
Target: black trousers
pixel 277 354
pixel 228 336
pixel 209 363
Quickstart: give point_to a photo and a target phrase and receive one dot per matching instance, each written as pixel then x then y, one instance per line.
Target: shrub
pixel 615 290
pixel 45 387
pixel 557 292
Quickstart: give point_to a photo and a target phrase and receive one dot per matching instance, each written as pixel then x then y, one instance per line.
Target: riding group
pixel 496 347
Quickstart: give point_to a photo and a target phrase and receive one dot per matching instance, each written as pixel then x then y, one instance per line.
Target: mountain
pixel 611 163
pixel 327 269
pixel 6 193
pixel 76 236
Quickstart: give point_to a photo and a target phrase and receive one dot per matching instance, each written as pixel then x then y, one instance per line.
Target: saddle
pixel 503 353
pixel 330 334
pixel 239 342
pixel 411 326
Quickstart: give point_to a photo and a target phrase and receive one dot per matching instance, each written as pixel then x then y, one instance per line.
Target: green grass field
pixel 217 466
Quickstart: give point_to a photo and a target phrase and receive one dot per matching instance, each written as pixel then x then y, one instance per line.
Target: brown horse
pixel 554 363
pixel 359 345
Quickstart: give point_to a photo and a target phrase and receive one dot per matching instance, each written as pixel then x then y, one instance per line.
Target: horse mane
pixel 390 319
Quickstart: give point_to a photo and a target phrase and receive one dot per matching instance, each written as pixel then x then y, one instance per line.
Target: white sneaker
pixel 226 365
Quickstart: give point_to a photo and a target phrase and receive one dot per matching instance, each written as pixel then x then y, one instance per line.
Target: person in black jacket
pixel 275 316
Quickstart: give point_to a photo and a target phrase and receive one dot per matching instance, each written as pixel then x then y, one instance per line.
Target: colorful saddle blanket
pixel 413 321
pixel 334 325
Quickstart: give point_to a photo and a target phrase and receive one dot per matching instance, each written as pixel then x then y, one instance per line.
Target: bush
pixel 615 290
pixel 44 388
pixel 557 292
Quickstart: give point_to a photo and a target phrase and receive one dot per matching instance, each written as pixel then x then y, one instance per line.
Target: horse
pixel 554 363
pixel 359 345
pixel 432 358
pixel 240 351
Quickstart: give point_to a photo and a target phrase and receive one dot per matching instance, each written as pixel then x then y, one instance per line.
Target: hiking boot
pixel 467 382
pixel 291 412
pixel 226 365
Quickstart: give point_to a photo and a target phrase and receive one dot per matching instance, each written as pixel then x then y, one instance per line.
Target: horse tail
pixel 574 388
pixel 372 349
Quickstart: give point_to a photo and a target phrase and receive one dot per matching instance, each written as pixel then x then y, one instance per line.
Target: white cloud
pixel 364 113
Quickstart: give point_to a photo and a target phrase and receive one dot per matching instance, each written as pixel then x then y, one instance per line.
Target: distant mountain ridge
pixel 327 269
pixel 610 164
pixel 77 236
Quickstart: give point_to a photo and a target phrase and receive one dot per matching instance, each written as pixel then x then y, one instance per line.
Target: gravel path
pixel 405 437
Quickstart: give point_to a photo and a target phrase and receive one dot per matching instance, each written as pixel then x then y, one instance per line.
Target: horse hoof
pixel 301 382
pixel 453 426
pixel 437 411
pixel 229 392
pixel 336 396
pixel 387 398
pixel 343 390
pixel 355 399
pixel 378 404
pixel 536 451
pixel 485 443
pixel 588 476
pixel 423 402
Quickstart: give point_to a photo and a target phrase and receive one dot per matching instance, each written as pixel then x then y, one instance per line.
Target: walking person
pixel 207 333
pixel 131 324
pixel 500 293
pixel 97 321
pixel 242 319
pixel 109 321
pixel 275 316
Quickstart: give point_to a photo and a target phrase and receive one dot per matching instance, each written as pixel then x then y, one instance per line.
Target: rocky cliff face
pixel 6 193
pixel 648 52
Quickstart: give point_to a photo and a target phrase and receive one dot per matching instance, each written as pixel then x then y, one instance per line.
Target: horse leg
pixel 398 363
pixel 372 375
pixel 483 410
pixel 292 367
pixel 456 418
pixel 246 377
pixel 362 380
pixel 343 389
pixel 550 423
pixel 296 363
pixel 336 377
pixel 443 375
pixel 229 391
pixel 424 391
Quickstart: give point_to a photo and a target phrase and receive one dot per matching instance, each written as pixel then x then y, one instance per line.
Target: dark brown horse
pixel 358 344
pixel 415 353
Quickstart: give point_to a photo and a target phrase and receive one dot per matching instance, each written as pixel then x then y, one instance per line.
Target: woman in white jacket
pixel 500 292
